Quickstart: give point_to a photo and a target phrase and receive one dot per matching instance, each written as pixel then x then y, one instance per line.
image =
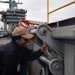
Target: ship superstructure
pixel 12 16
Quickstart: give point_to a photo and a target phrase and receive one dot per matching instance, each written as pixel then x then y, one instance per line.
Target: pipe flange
pixel 43 31
pixel 56 67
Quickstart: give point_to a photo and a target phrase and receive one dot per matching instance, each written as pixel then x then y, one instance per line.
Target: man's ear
pixel 18 41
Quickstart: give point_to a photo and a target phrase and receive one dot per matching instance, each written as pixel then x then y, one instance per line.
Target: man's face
pixel 23 42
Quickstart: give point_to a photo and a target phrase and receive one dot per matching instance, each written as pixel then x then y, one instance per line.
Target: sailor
pixel 16 52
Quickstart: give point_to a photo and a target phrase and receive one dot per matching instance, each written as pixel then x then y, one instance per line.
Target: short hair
pixel 14 38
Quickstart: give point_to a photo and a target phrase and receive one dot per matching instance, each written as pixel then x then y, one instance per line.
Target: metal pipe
pixel 62 7
pixel 45 60
pixel 43 71
pixel 32 31
pixel 47 11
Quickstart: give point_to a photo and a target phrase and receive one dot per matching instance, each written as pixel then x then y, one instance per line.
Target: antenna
pixel 11 3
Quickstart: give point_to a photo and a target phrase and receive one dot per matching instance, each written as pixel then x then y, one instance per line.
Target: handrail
pixel 56 8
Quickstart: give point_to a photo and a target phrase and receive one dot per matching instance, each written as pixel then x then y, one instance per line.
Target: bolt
pixel 57 66
pixel 44 31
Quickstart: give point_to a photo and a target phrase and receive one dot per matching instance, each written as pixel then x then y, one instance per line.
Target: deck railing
pixel 49 12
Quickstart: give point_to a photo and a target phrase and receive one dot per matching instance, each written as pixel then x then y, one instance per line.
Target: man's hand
pixel 44 48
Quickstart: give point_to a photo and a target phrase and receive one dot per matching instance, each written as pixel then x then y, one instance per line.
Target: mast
pixel 10 2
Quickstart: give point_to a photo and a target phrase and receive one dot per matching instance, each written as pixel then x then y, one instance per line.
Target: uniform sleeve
pixel 33 55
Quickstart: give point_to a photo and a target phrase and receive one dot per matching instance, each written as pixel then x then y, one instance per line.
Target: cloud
pixel 3 7
pixel 57 3
pixel 64 13
pixel 37 9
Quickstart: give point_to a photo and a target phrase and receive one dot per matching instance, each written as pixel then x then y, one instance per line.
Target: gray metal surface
pixel 43 34
pixel 60 57
pixel 69 59
pixel 67 32
pixel 55 65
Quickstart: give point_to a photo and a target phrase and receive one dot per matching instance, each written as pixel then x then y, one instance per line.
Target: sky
pixel 37 9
